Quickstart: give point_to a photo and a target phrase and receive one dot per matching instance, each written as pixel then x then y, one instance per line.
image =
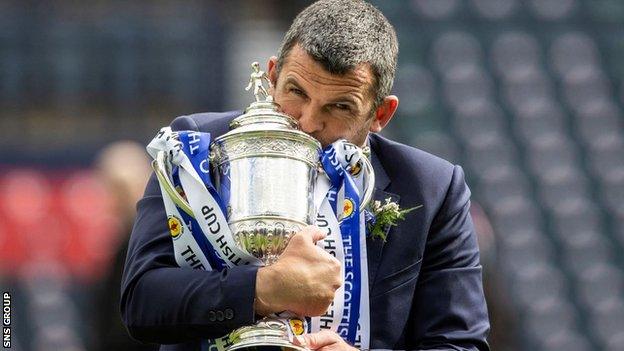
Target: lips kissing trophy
pixel 239 199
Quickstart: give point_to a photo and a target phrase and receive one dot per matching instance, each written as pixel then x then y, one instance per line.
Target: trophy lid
pixel 264 114
pixel 262 124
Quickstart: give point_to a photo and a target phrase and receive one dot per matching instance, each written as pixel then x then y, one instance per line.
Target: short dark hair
pixel 340 35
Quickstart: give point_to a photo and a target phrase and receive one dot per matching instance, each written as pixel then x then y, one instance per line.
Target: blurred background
pixel 527 95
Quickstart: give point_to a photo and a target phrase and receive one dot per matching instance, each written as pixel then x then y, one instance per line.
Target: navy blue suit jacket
pixel 425 280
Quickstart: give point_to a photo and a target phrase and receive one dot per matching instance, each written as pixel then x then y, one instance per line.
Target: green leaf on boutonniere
pixel 381 216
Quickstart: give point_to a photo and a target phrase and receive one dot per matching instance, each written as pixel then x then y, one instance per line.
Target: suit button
pixel 220 316
pixel 212 316
pixel 229 313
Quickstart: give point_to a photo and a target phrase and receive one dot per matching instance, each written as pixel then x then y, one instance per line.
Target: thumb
pixel 318 340
pixel 314 233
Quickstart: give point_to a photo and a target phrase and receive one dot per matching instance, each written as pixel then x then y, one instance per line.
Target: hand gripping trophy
pixel 266 172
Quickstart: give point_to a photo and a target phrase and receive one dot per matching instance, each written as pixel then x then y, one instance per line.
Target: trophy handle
pixel 369 183
pixel 161 173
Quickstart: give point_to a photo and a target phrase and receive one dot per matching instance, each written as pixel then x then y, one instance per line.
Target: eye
pixel 343 107
pixel 296 91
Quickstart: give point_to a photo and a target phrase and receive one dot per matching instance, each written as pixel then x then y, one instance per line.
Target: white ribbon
pixel 213 224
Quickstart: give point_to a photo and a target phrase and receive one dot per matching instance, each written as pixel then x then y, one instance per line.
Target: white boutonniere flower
pixel 381 216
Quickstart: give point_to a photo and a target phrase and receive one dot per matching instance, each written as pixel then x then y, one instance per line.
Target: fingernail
pixel 301 340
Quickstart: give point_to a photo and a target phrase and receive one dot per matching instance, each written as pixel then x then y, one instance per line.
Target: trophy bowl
pixel 265 171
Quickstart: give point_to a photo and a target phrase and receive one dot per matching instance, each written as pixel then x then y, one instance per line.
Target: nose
pixel 309 121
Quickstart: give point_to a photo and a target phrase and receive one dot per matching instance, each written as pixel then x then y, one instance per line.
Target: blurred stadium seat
pixel 436 9
pixel 495 9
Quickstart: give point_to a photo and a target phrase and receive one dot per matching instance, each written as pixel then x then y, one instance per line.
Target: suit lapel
pixel 374 247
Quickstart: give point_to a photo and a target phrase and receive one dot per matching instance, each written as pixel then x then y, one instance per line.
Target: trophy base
pixel 263 336
pixel 265 344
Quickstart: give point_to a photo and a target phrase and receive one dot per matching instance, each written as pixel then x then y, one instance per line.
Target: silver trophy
pixel 265 170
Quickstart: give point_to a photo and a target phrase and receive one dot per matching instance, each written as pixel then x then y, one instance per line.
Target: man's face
pixel 328 107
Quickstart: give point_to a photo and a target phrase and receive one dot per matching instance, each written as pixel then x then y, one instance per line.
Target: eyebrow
pixel 345 100
pixel 293 81
pixel 340 100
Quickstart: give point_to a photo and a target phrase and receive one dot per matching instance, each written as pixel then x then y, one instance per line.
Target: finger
pixel 314 233
pixel 328 258
pixel 300 340
pixel 321 339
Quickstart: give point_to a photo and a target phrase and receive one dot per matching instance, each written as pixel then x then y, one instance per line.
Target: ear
pixel 384 113
pixel 272 67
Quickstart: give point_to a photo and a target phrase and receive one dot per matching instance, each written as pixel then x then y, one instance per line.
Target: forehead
pixel 305 70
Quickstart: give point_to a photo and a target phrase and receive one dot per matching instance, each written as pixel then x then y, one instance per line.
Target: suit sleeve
pixel 163 303
pixel 449 310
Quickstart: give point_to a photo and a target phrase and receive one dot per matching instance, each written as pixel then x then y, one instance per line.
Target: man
pixel 334 74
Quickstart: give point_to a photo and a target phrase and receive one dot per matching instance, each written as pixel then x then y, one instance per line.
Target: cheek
pixel 288 105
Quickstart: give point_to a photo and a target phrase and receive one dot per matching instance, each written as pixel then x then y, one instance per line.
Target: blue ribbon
pixel 195 146
pixel 350 232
